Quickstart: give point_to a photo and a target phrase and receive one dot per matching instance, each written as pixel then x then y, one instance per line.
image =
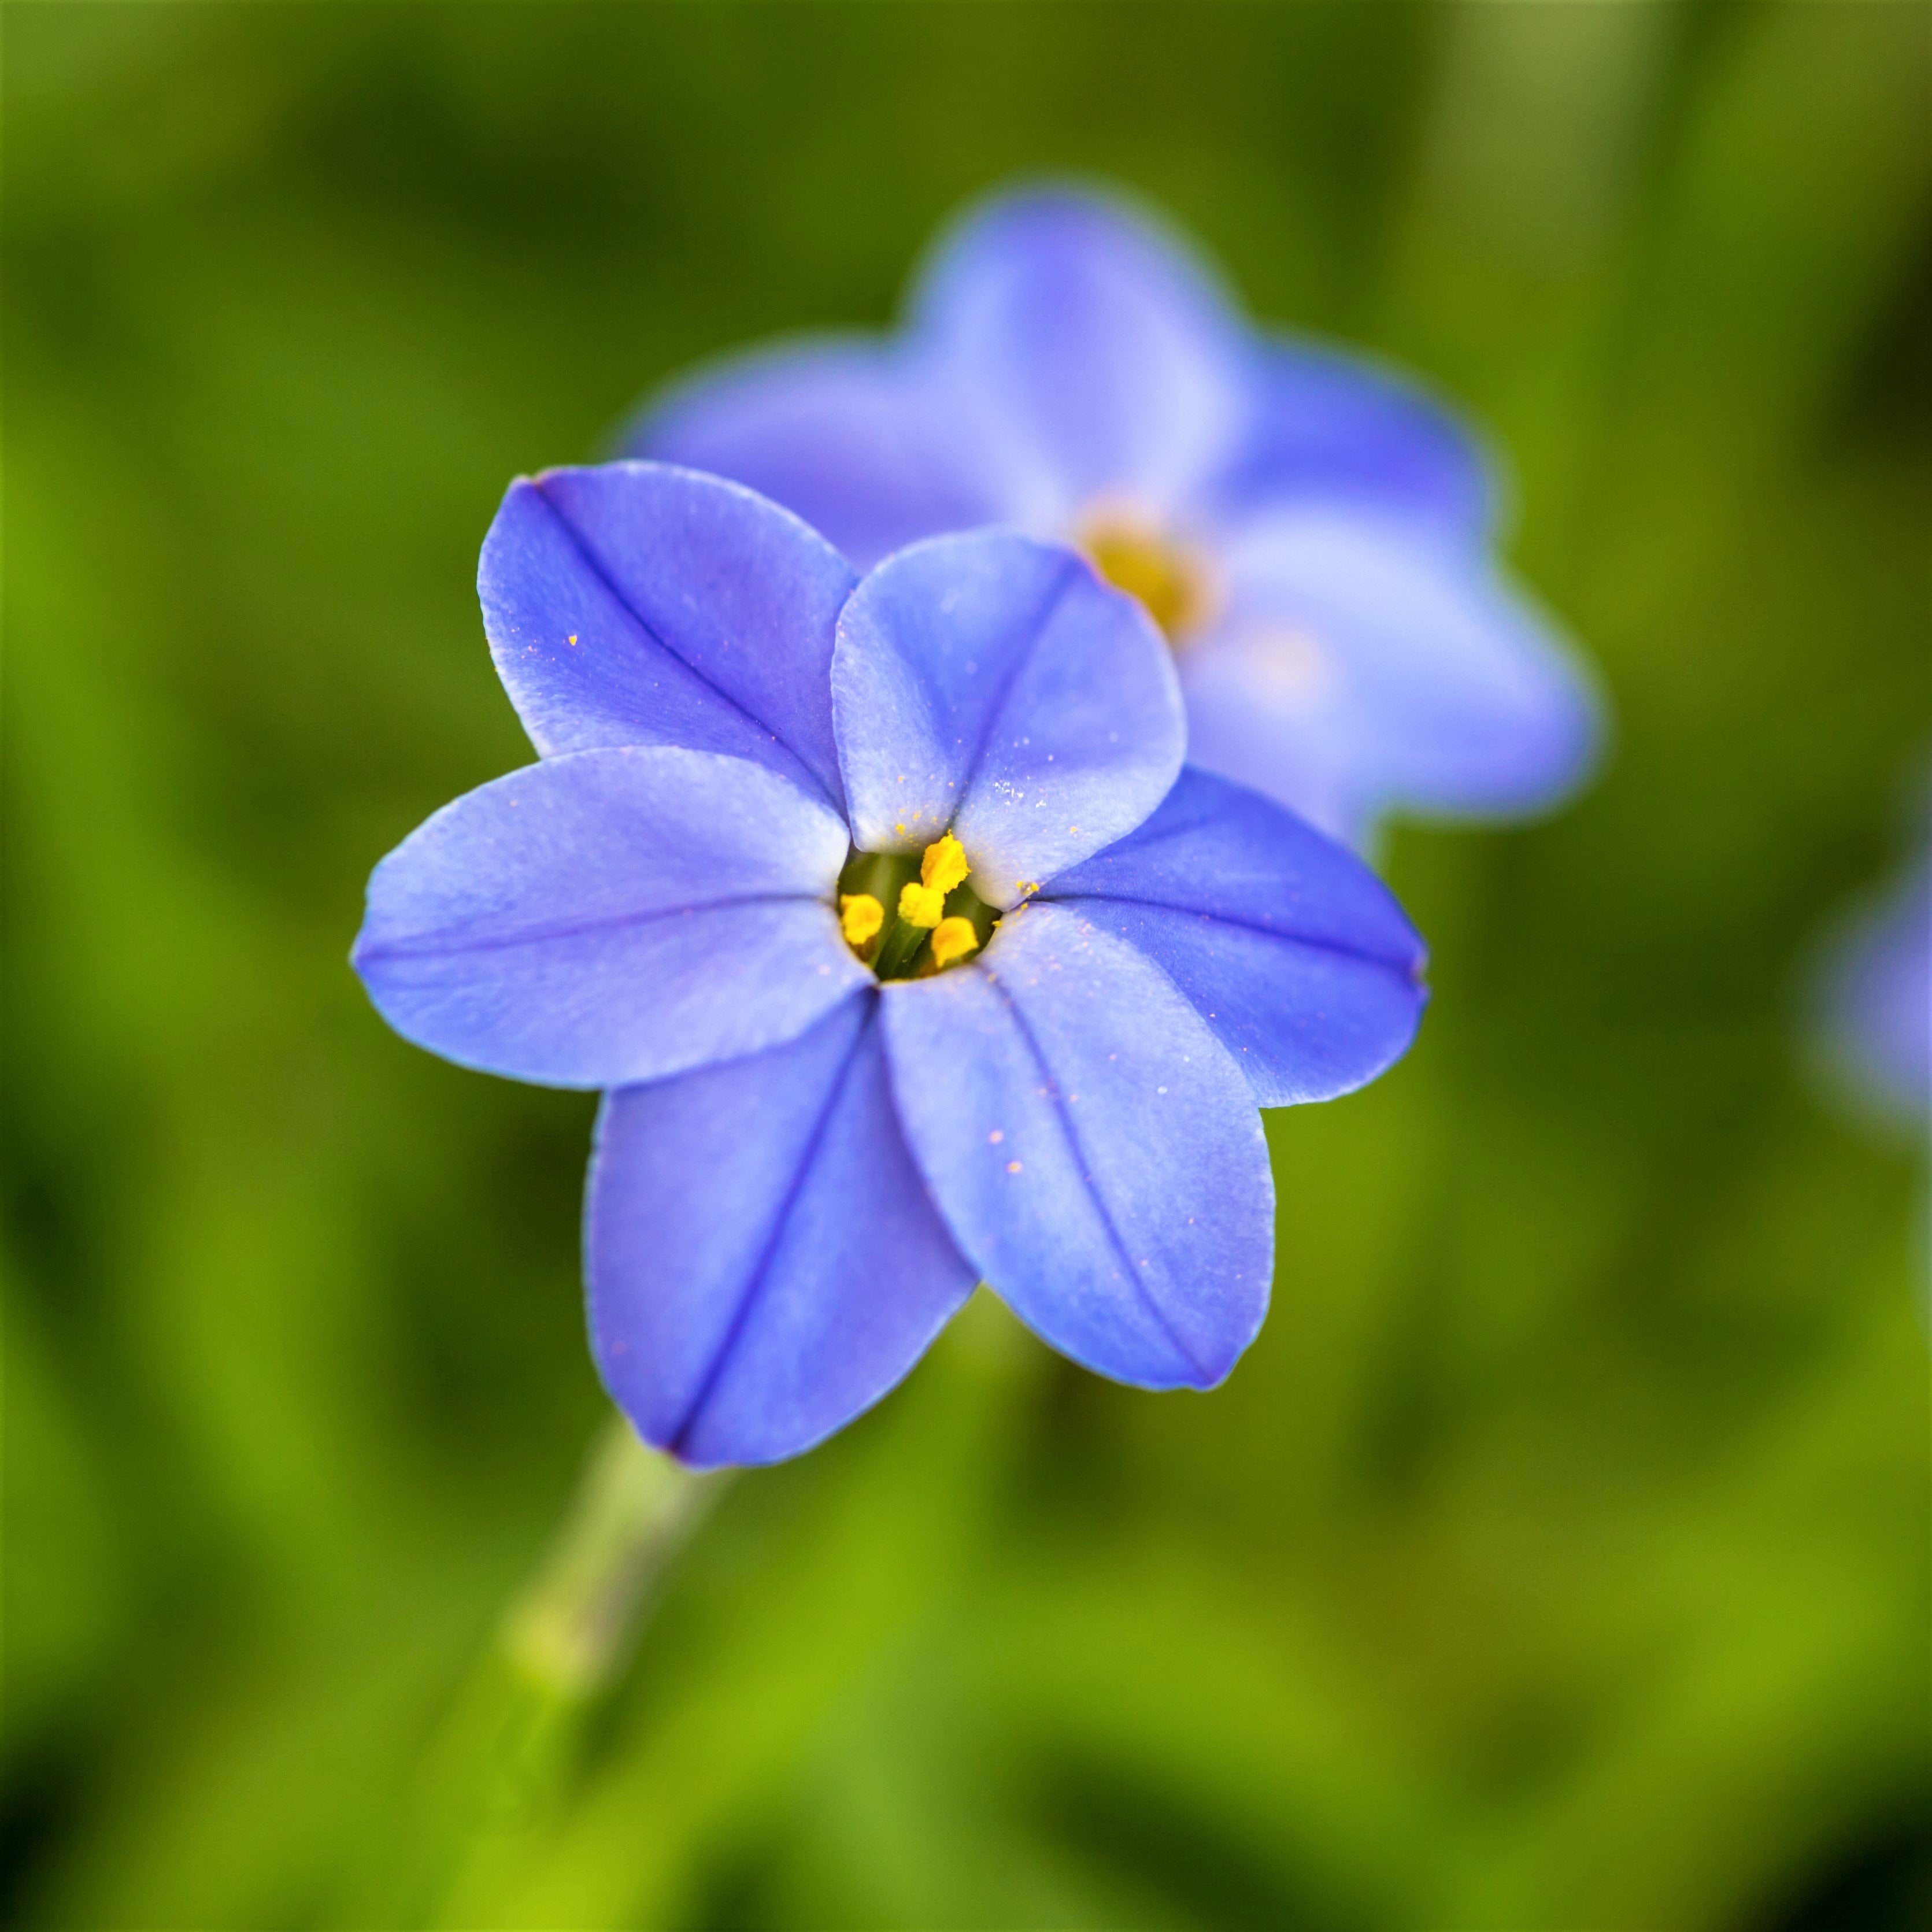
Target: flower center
pixel 1133 553
pixel 936 918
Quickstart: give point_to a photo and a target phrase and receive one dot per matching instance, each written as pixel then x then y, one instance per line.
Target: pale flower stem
pixel 572 1626
pixel 503 1762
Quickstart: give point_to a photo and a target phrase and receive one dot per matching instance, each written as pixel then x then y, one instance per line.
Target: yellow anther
pixel 921 905
pixel 953 939
pixel 860 916
pixel 944 865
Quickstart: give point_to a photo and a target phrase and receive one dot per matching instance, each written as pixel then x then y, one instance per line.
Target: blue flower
pixel 909 952
pixel 1312 534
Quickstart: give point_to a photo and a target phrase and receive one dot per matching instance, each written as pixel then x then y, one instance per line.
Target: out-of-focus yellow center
pixel 1132 552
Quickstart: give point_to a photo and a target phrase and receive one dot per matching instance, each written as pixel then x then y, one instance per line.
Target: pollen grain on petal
pixel 923 906
pixel 953 939
pixel 860 916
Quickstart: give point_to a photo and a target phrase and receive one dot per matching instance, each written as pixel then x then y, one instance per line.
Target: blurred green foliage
pixel 1558 1558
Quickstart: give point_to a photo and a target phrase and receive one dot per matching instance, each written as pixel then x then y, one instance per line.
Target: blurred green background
pixel 1558 1558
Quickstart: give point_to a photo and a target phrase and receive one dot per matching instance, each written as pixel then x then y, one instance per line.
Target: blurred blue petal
pixel 1288 946
pixel 1880 1000
pixel 1092 1146
pixel 763 1261
pixel 1325 427
pixel 1070 367
pixel 635 604
pixel 848 432
pixel 1092 353
pixel 609 916
pixel 994 685
pixel 1357 669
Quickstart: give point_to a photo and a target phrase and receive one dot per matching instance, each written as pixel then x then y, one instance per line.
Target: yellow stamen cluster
pixel 916 937
pixel 942 866
pixel 860 916
pixel 953 939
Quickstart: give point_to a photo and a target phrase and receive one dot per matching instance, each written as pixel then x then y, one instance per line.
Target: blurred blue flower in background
pixel 910 962
pixel 1311 533
pixel 1878 1000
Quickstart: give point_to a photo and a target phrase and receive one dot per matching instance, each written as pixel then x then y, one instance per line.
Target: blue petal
pixel 1879 1016
pixel 609 916
pixel 635 604
pixel 763 1260
pixel 1092 1147
pixel 1094 354
pixel 847 432
pixel 1325 426
pixel 1288 945
pixel 995 685
pixel 1363 666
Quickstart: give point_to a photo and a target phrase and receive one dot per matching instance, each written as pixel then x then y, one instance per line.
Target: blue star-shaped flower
pixel 1311 534
pixel 909 952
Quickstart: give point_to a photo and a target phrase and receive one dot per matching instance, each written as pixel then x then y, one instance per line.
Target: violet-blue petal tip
pixel 1093 1146
pixel 764 1261
pixel 639 604
pixel 610 916
pixel 1289 947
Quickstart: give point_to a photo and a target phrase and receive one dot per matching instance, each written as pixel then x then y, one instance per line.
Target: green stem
pixel 501 1766
pixel 571 1626
pixel 902 940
